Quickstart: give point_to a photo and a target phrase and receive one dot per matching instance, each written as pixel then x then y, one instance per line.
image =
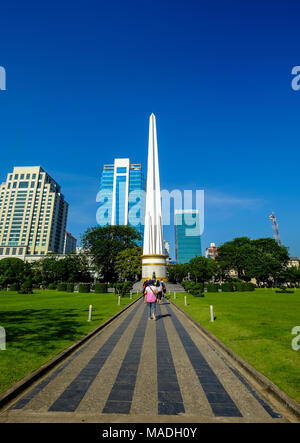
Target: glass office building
pixel 187 234
pixel 122 195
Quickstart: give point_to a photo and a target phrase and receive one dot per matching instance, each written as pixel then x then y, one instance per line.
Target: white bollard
pixel 119 300
pixel 90 313
pixel 185 303
pixel 174 294
pixel 130 295
pixel 2 339
pixel 211 313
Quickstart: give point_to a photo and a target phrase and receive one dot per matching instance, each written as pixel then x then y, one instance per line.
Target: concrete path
pixel 140 370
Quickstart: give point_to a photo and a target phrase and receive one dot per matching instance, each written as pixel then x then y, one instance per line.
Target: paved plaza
pixel 140 370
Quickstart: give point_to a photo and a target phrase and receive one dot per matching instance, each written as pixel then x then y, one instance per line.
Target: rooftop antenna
pixel 275 228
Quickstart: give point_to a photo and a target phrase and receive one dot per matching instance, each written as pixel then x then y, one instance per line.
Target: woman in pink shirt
pixel 150 297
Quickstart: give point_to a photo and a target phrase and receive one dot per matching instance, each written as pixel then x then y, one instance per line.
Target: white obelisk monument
pixel 153 258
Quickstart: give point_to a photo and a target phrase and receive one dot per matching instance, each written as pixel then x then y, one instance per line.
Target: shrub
pixel 100 288
pixel 212 287
pixel 14 287
pixel 284 290
pixel 250 286
pixel 196 289
pixel 70 287
pixel 62 287
pixel 26 287
pixel 84 287
pixel 197 294
pixel 227 287
pixel 52 286
pixel 123 288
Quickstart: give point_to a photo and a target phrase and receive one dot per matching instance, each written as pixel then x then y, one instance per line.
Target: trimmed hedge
pixel 123 288
pixel 14 287
pixel 101 288
pixel 62 287
pixel 227 287
pixel 70 287
pixel 194 288
pixel 84 287
pixel 52 286
pixel 212 287
pixel 26 287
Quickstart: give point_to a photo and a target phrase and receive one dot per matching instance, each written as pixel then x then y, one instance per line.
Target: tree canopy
pixel 129 264
pixel 105 243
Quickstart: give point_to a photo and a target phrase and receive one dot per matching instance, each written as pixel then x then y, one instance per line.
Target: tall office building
pixel 70 243
pixel 33 214
pixel 211 251
pixel 122 195
pixel 187 234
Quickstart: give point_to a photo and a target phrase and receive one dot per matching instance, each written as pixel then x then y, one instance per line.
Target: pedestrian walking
pixel 159 291
pixel 150 298
pixel 164 288
pixel 145 284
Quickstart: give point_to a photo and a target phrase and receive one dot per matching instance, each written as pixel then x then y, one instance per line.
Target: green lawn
pixel 257 326
pixel 41 325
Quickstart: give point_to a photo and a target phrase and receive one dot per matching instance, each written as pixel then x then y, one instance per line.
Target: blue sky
pixel 83 78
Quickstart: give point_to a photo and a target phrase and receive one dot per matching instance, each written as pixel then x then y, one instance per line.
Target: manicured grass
pixel 256 325
pixel 41 325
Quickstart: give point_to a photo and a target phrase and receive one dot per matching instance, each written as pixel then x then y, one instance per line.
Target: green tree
pixel 290 275
pixel 202 269
pixel 105 243
pixel 13 270
pixel 261 259
pixel 72 268
pixel 129 264
pixel 233 253
pixel 177 272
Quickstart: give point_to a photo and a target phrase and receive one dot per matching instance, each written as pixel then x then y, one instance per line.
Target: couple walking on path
pixel 153 295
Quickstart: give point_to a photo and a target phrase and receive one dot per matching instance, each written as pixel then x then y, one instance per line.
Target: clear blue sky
pixel 83 78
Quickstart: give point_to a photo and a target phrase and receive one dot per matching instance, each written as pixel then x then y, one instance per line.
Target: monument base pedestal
pixel 154 267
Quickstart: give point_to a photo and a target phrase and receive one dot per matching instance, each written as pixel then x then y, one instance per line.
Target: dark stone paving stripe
pixel 267 407
pixel 220 401
pixel 169 396
pixel 69 400
pixel 120 397
pixel 31 394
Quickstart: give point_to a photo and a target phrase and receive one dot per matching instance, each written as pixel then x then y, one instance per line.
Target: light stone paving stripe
pixel 41 397
pixel 96 396
pixel 69 400
pixel 219 399
pixel 194 398
pixel 47 391
pixel 145 395
pixel 120 397
pixel 169 396
pixel 242 395
pixel 248 401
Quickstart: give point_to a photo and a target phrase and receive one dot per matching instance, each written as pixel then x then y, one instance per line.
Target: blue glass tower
pixel 187 235
pixel 122 195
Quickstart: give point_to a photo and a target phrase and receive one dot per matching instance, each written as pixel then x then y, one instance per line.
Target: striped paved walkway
pixel 136 369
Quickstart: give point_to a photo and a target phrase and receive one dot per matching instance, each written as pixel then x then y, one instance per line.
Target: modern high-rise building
pixel 211 251
pixel 166 248
pixel 187 234
pixel 122 195
pixel 70 243
pixel 33 214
